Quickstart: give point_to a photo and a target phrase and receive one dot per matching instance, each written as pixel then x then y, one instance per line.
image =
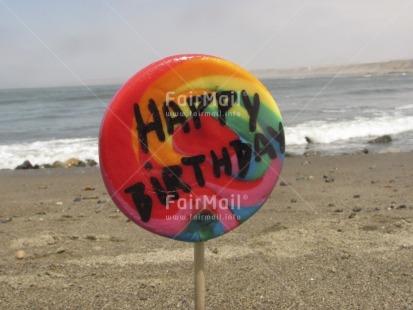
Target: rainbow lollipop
pixel 191 147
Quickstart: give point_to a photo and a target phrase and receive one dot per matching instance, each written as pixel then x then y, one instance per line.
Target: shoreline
pixel 308 150
pixel 336 233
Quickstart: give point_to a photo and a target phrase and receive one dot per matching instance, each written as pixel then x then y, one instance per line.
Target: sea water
pixel 338 114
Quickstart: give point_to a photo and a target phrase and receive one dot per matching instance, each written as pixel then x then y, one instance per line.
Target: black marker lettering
pixel 171 176
pixel 198 104
pixel 195 162
pixel 143 202
pixel 143 128
pixel 252 108
pixel 224 161
pixel 178 118
pixel 278 136
pixel 244 153
pixel 266 147
pixel 159 191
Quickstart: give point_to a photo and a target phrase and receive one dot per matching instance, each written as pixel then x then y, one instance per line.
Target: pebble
pixel 304 177
pixel 90 197
pixel 381 139
pixel 20 254
pixel 282 183
pixel 401 207
pixel 356 209
pixel 60 250
pixel 6 220
pixel 352 214
pixel 71 162
pixel 338 210
pixel 328 179
pixel 356 196
pixel 26 165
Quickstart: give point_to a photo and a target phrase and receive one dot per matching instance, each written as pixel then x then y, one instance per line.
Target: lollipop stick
pixel 199 255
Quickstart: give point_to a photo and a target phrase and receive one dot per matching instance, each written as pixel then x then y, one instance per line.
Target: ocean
pixel 340 115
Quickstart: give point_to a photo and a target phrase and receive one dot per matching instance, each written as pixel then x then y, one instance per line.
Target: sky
pixel 81 42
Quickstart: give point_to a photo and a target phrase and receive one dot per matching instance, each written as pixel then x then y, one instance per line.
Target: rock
pixel 352 214
pixel 382 139
pixel 73 162
pixel 60 250
pixel 309 140
pixel 282 183
pixel 91 162
pixel 57 164
pixel 89 188
pixel 6 220
pixel 311 153
pixel 356 209
pixel 25 165
pixel 339 210
pixel 90 197
pixel 54 274
pixel 356 196
pixel 20 254
pixel 328 179
pixel 401 207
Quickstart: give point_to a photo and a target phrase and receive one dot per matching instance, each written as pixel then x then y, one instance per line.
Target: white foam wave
pixel 328 132
pixel 46 152
pixel 405 107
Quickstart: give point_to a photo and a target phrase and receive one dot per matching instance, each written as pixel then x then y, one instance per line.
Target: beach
pixel 336 233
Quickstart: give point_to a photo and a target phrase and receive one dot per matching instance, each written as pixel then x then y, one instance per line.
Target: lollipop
pixel 191 147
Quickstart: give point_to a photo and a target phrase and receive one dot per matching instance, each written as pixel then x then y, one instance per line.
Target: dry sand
pixel 337 233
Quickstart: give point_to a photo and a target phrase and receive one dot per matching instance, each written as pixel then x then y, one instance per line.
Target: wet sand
pixel 336 233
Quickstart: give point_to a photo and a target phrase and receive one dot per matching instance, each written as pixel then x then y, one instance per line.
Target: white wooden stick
pixel 199 275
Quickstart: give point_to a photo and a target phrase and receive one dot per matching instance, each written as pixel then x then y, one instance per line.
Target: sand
pixel 337 233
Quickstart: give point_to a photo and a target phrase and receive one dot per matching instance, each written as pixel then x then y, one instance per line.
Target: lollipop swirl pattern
pixel 191 147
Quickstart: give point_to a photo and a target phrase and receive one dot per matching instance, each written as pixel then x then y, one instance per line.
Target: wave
pixel 329 132
pixel 405 107
pixel 322 132
pixel 47 152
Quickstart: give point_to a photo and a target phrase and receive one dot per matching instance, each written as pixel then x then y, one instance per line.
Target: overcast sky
pixel 51 43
